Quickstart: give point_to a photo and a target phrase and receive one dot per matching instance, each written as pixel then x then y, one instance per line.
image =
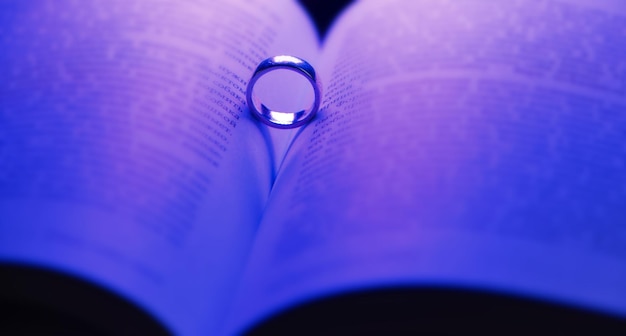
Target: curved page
pixel 127 154
pixel 477 144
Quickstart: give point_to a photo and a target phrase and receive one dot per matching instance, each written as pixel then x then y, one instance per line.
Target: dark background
pixel 324 12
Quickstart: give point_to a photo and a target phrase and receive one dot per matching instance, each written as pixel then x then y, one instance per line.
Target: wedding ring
pixel 283 119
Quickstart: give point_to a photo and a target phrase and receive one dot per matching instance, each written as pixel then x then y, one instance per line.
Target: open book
pixel 471 144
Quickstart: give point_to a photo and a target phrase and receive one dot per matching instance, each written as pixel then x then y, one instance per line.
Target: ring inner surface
pixel 283 95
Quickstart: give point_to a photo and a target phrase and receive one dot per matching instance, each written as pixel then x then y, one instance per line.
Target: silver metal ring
pixel 281 119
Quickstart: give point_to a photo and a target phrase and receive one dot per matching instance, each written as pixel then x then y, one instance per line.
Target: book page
pixel 475 144
pixel 127 154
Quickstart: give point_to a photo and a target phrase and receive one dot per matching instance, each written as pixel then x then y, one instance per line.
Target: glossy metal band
pixel 281 119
